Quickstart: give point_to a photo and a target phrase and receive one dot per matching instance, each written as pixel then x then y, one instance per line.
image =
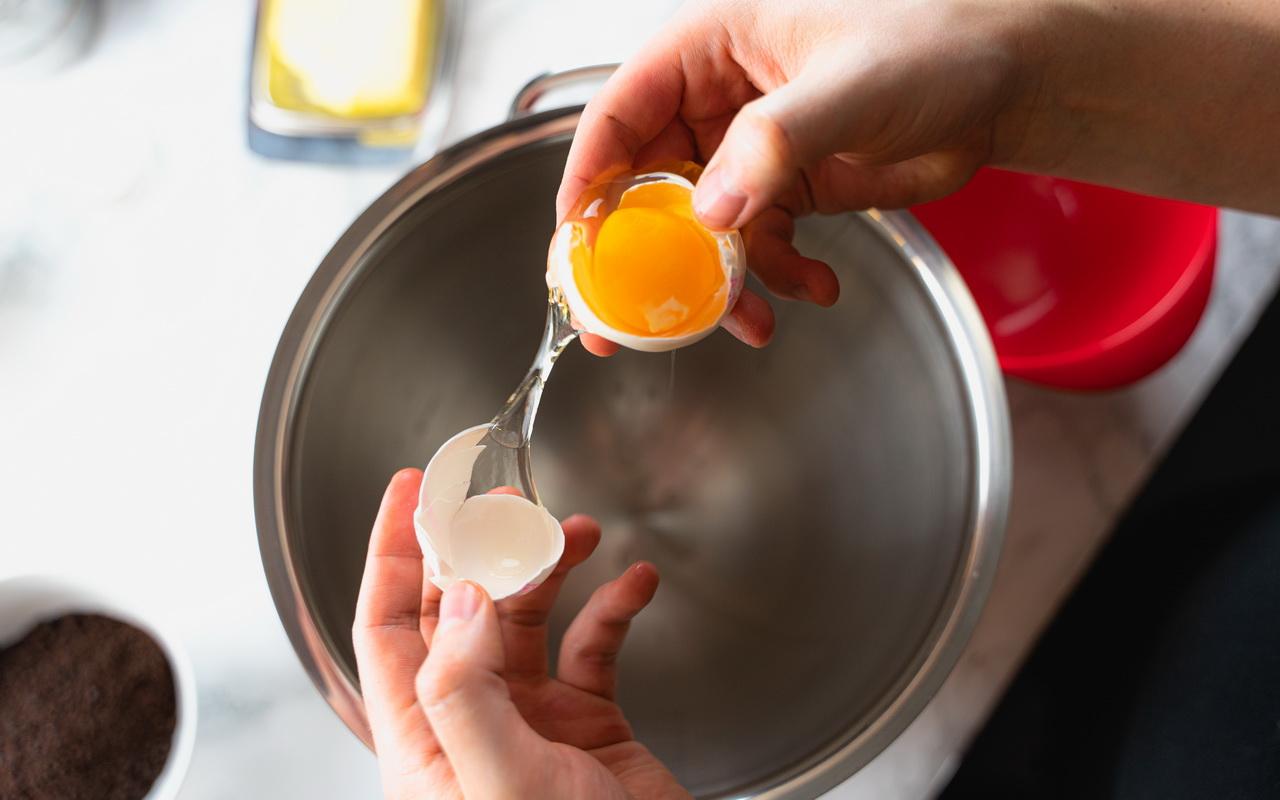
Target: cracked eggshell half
pixel 505 543
pixel 577 236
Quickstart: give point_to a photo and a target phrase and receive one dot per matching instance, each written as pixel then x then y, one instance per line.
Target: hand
pixel 799 107
pixel 457 689
pixel 838 105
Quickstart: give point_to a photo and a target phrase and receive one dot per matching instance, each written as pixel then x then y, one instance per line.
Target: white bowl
pixel 28 600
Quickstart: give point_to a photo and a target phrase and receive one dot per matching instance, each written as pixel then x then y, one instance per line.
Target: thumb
pixel 466 701
pixel 763 150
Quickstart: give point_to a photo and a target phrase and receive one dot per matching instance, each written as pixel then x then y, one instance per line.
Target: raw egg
pixel 636 267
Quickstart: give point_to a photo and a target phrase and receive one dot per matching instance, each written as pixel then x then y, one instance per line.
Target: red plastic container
pixel 1082 287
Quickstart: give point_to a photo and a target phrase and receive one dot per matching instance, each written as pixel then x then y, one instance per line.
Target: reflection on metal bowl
pixel 826 512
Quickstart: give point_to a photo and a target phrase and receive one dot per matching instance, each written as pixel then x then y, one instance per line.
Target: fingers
pixel 853 185
pixel 751 321
pixel 673 143
pixel 429 613
pixel 633 107
pixel 598 345
pixel 768 143
pixel 524 617
pixel 780 267
pixel 460 687
pixel 589 652
pixel 389 648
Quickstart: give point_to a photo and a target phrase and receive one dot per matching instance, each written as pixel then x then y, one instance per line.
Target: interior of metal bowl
pixel 812 507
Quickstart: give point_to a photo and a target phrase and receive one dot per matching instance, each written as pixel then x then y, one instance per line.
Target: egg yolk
pixel 654 269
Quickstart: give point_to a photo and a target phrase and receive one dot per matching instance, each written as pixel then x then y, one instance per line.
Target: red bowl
pixel 1082 287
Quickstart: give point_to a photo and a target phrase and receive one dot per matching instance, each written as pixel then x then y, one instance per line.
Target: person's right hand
pixel 806 106
pixel 839 105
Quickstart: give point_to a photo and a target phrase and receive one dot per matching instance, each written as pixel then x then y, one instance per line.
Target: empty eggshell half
pixel 503 542
pixel 576 234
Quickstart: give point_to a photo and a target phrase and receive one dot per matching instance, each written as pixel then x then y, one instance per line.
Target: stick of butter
pixel 350 59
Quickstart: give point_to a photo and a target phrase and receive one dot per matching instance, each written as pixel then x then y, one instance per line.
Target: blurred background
pixel 171 173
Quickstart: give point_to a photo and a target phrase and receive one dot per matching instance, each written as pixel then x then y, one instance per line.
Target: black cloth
pixel 1160 678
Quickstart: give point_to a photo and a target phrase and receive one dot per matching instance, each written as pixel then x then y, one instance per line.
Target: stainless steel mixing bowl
pixel 826 513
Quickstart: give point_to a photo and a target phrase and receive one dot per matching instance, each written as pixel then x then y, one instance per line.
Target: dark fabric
pixel 1161 676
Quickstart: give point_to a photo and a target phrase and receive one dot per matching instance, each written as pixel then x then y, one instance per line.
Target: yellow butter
pixel 351 59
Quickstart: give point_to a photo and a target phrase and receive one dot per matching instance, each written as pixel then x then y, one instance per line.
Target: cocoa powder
pixel 87 710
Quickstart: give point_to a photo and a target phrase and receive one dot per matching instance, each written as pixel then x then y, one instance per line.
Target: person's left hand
pixel 457 690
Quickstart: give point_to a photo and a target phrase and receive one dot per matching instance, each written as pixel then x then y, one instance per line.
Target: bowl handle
pixel 536 89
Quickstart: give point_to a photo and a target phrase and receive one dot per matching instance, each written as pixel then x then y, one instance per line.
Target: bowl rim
pixel 987 418
pixel 46 597
pixel 1125 352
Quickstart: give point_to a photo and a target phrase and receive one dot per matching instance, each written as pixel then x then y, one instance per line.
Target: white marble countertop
pixel 147 265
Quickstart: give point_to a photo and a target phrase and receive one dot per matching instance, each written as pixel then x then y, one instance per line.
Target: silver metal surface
pixel 527 99
pixel 826 513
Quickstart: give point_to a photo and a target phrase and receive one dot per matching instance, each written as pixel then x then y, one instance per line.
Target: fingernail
pixel 460 601
pixel 717 202
pixel 801 293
